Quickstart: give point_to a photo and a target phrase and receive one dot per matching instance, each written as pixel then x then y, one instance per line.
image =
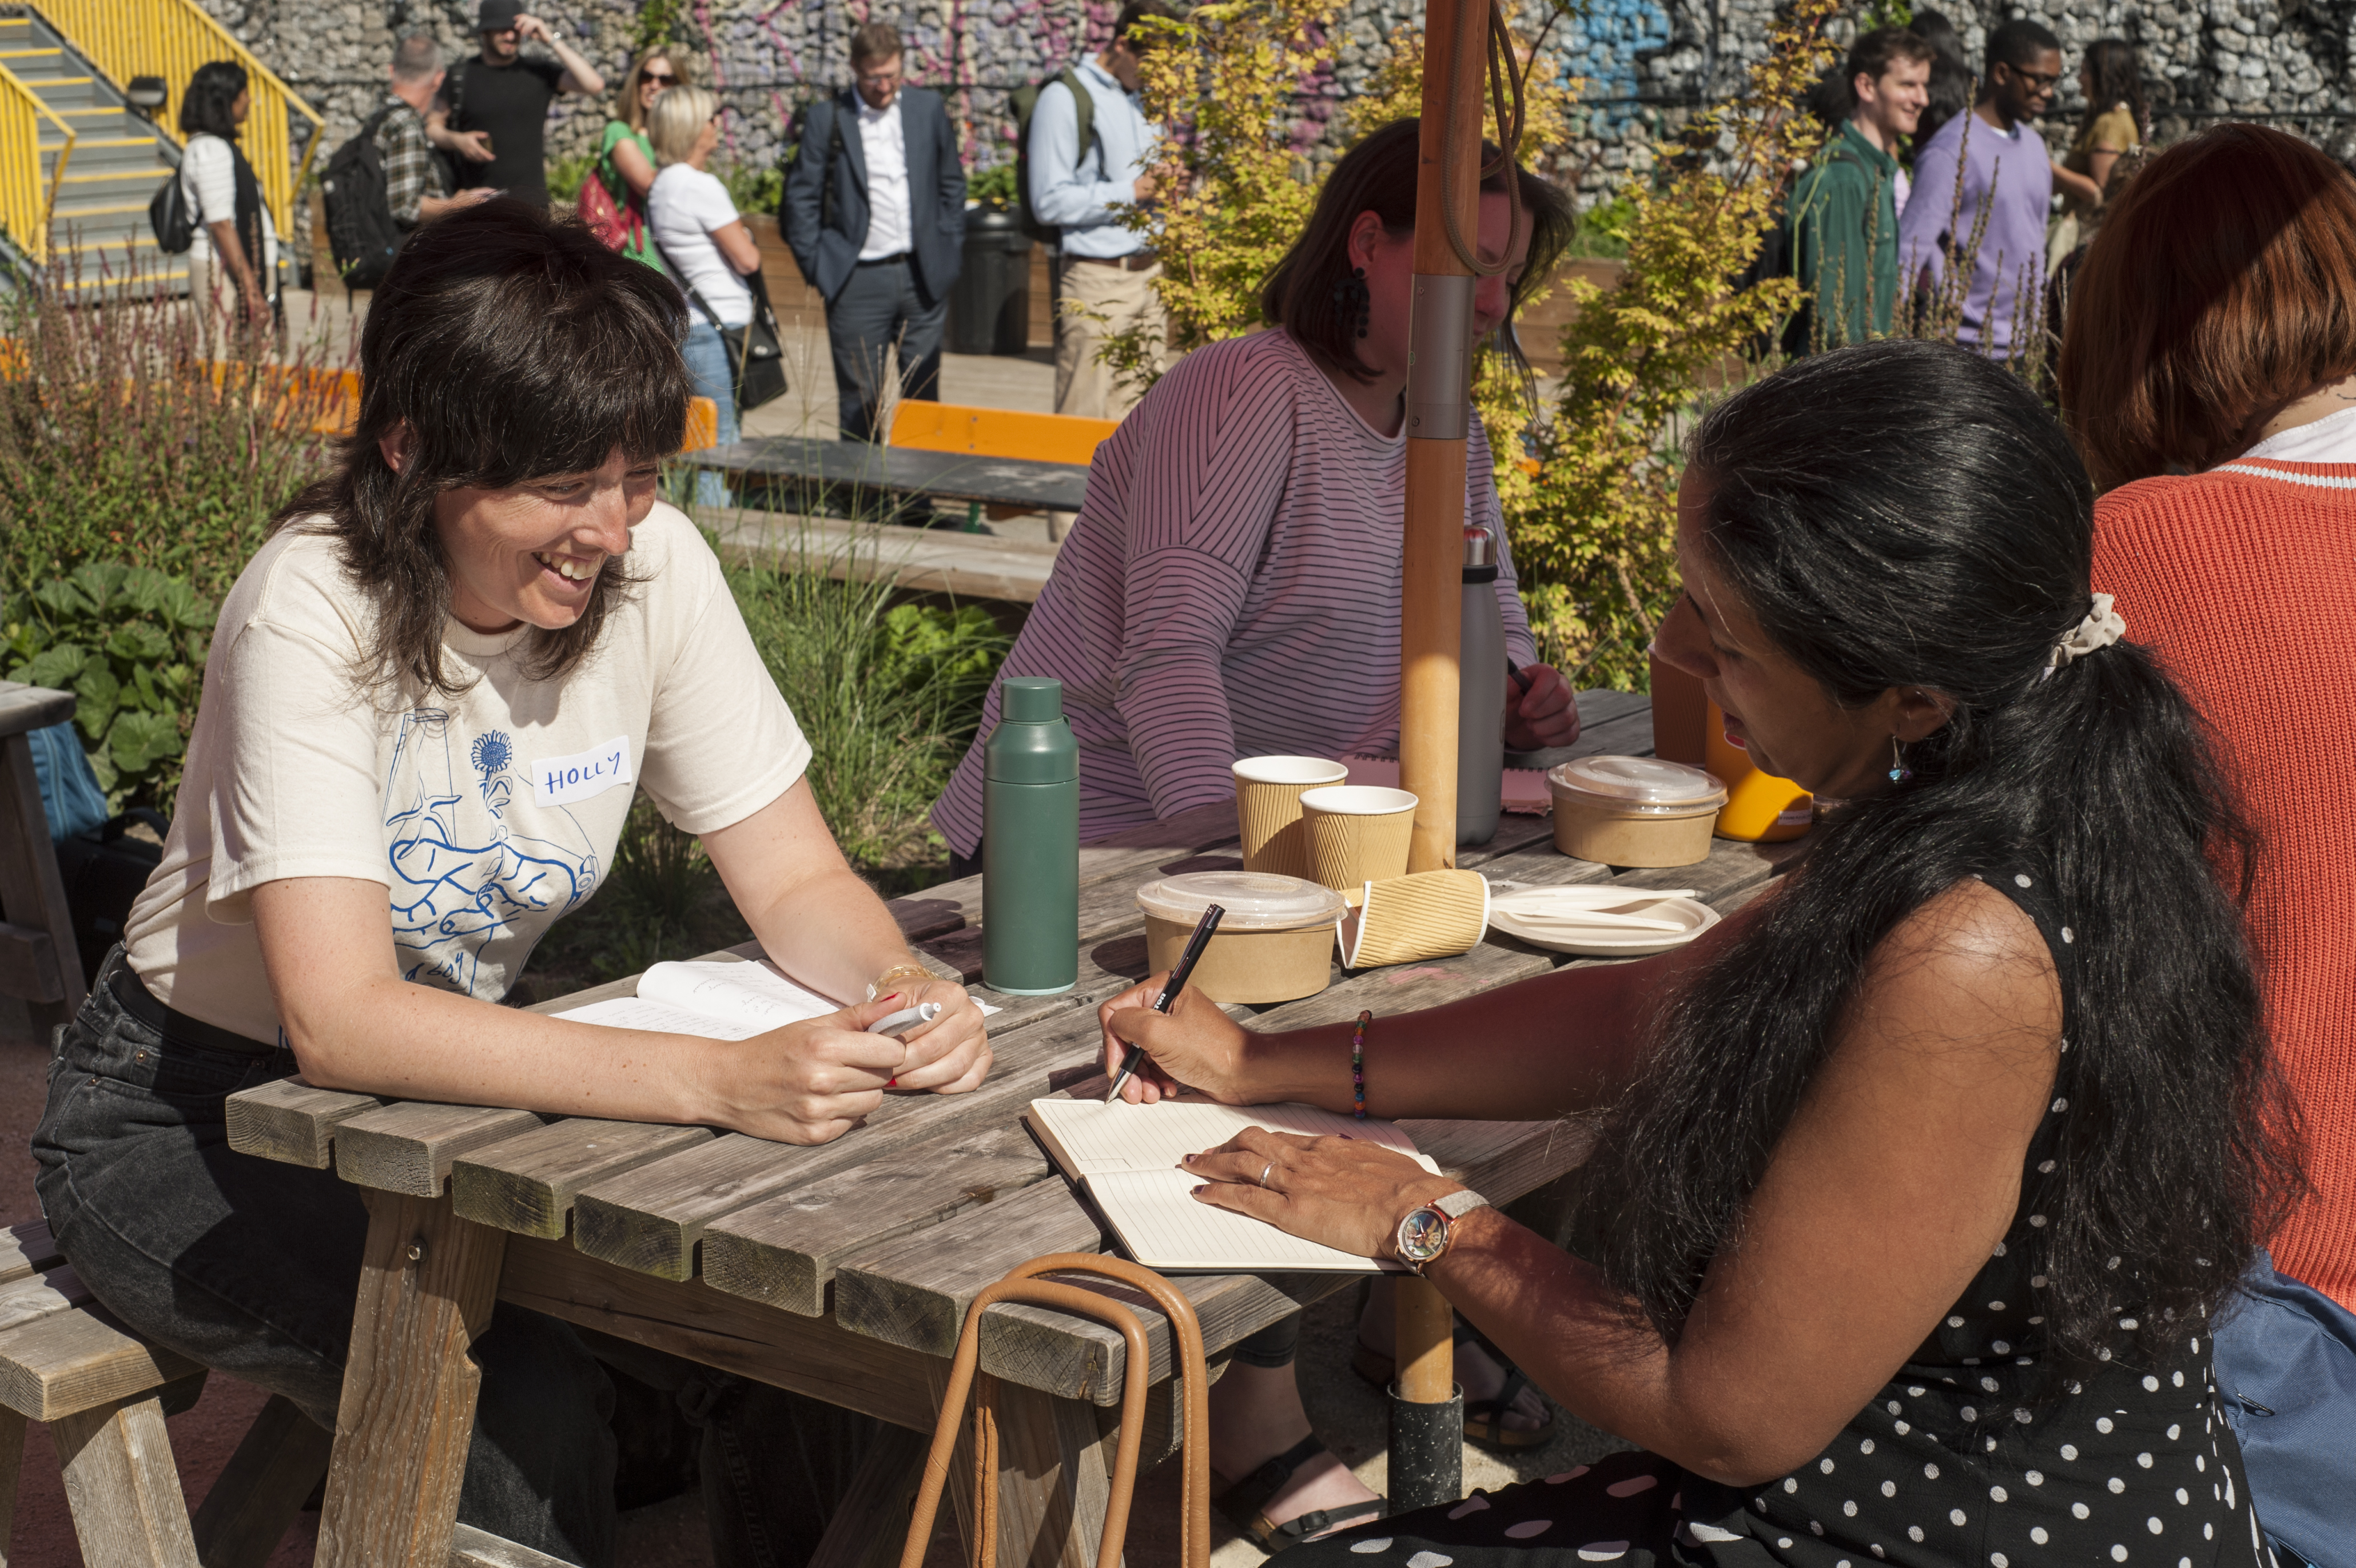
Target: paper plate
pixel 1550 918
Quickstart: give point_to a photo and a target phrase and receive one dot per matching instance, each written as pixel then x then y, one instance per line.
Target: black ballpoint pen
pixel 1200 940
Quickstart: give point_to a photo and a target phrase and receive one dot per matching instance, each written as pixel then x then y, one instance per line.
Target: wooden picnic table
pixel 844 1271
pixel 1020 483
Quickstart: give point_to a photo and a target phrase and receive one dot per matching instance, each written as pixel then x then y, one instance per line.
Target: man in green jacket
pixel 1843 213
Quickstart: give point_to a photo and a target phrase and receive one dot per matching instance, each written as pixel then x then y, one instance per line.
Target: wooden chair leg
pixel 1054 1480
pixel 868 1526
pixel 262 1488
pixel 121 1485
pixel 428 1281
pixel 12 1464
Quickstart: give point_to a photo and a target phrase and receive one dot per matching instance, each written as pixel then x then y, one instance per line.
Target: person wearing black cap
pixel 492 114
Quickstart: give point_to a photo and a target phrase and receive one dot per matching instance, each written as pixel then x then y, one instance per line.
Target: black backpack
pixel 361 230
pixel 1026 100
pixel 168 214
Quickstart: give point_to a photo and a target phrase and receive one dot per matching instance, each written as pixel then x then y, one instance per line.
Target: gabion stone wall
pixel 1640 61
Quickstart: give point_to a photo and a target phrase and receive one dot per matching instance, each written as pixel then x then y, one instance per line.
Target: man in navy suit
pixel 874 212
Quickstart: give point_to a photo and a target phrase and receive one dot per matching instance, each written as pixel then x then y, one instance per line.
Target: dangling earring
pixel 1353 302
pixel 1898 771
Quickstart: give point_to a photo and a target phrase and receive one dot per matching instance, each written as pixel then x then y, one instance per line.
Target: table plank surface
pixel 949 476
pixel 889 1231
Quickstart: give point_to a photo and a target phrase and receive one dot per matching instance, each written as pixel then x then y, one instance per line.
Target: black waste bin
pixel 990 308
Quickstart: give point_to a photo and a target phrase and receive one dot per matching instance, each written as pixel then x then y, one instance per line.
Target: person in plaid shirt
pixel 412 179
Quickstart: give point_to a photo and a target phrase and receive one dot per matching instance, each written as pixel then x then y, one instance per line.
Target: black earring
pixel 1352 302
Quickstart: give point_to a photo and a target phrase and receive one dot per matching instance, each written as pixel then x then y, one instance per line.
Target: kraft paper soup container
pixel 1267 810
pixel 1634 811
pixel 1358 834
pixel 1275 943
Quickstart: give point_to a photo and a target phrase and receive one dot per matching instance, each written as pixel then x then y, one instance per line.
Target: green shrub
pixel 130 644
pixel 889 695
pixel 993 187
pixel 754 188
pixel 119 442
pixel 566 176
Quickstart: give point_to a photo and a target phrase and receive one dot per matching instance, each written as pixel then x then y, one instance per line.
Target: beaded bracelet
pixel 1358 1063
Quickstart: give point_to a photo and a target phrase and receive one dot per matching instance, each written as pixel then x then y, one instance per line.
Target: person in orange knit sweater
pixel 2208 377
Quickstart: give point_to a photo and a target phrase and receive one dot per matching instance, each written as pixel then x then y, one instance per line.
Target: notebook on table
pixel 717 1001
pixel 1127 1159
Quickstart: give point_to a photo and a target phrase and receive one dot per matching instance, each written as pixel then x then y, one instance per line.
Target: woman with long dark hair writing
pixel 1920 1178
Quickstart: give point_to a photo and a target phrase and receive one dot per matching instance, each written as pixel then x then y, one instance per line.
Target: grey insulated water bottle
pixel 1480 695
pixel 1030 844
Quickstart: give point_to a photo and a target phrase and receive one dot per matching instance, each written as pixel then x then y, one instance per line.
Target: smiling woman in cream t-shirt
pixel 430 700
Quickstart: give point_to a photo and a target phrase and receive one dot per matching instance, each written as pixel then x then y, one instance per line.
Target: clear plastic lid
pixel 1254 900
pixel 1637 786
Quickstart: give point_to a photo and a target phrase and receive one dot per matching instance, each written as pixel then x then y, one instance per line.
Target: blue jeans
pixel 253 1268
pixel 706 353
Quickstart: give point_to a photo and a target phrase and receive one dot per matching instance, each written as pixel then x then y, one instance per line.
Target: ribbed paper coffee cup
pixel 1358 834
pixel 1268 810
pixel 1432 914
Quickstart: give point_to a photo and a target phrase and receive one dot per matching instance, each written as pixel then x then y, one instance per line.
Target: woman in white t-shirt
pixel 233 258
pixel 707 247
pixel 429 702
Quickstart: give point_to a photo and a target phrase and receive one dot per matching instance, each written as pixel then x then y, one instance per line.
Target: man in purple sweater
pixel 2004 192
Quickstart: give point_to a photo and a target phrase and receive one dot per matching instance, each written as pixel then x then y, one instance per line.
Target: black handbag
pixel 756 359
pixel 103 871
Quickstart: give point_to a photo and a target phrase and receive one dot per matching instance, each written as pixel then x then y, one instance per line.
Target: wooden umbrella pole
pixel 1426 1411
pixel 1438 405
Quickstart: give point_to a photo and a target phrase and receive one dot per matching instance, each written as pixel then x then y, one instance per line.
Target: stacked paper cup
pixel 1268 810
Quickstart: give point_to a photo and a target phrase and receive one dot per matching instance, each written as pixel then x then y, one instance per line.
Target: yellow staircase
pixel 79 163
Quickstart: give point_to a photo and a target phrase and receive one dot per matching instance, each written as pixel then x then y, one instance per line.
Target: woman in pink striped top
pixel 1232 586
pixel 1232 589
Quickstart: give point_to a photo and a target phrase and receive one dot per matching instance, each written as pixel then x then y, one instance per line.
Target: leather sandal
pixel 1243 1502
pixel 1484 1420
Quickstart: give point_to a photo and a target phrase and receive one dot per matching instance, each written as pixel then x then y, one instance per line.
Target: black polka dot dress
pixel 1953 1463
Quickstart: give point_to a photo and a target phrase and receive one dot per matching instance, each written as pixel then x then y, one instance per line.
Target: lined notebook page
pixel 637 1013
pixel 1097 1137
pixel 738 993
pixel 1164 1226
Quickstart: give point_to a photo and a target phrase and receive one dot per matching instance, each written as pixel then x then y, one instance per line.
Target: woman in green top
pixel 625 159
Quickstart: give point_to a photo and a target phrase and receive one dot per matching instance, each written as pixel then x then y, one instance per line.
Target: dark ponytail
pixel 1905 514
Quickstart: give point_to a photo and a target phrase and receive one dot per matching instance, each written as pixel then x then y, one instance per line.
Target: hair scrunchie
pixel 2102 626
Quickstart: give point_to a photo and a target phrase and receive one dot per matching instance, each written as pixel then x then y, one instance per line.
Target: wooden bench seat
pixel 104 1393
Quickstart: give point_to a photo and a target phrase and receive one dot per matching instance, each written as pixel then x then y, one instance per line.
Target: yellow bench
pixel 996 433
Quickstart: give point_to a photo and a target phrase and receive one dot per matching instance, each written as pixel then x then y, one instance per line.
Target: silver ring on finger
pixel 1264 1172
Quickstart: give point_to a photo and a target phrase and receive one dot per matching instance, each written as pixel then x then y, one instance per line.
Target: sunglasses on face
pixel 2036 81
pixel 661 78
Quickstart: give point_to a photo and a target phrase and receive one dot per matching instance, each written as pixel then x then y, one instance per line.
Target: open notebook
pixel 717 1001
pixel 1127 1158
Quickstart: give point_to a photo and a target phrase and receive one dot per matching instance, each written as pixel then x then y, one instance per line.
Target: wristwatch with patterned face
pixel 1425 1233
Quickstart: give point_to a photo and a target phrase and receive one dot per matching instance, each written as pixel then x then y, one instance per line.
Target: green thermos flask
pixel 1030 844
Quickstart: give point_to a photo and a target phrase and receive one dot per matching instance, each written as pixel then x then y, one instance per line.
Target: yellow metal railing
pixel 170 39
pixel 25 199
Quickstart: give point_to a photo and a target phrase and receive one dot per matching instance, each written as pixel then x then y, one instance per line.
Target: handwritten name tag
pixel 561 781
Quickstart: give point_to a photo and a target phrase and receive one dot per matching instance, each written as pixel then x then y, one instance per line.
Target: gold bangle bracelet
pixel 910 970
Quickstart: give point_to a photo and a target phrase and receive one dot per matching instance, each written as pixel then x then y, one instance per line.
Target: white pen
pixel 898 1025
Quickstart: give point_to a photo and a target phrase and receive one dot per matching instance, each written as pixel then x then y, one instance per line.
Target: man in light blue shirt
pixel 1105 276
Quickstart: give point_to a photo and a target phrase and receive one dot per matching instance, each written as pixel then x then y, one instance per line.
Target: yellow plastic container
pixel 1759 808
